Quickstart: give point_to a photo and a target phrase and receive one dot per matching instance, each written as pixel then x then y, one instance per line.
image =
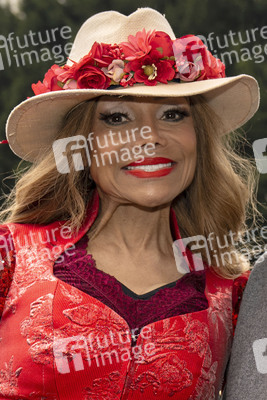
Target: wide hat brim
pixel 33 125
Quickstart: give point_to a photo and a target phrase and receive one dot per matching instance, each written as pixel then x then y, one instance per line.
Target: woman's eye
pixel 114 118
pixel 175 115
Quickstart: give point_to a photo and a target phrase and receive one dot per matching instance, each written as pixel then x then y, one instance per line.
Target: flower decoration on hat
pixel 148 58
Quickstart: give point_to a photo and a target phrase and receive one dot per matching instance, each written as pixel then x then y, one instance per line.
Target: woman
pixel 98 306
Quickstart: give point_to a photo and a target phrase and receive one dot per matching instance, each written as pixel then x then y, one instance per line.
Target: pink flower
pixel 194 61
pixel 137 46
pixel 188 72
pixel 50 82
pixel 114 70
pixel 70 84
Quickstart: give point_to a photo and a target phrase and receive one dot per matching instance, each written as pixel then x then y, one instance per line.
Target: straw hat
pixel 144 61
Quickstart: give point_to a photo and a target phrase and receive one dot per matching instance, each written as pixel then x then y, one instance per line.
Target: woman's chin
pixel 152 200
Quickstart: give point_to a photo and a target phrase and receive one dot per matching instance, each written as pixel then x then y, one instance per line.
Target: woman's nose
pixel 150 132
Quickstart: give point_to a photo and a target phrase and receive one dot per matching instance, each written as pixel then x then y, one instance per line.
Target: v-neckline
pixel 125 288
pixel 147 295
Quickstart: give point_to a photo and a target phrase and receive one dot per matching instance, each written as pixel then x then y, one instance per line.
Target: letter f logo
pixel 4 46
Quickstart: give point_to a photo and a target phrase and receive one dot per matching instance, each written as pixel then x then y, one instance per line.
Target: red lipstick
pixel 151 161
pixel 165 167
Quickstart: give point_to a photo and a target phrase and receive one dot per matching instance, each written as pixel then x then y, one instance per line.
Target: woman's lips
pixel 150 167
pixel 151 161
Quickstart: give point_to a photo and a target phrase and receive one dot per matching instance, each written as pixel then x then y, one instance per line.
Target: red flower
pixel 91 77
pixel 194 61
pixel 87 75
pixel 103 54
pixel 50 82
pixel 214 68
pixel 162 43
pixel 150 69
pixel 65 74
pixel 128 80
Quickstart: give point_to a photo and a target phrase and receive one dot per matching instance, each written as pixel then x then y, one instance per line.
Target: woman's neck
pixel 133 227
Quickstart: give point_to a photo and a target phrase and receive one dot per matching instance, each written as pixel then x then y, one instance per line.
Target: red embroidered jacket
pixel 58 342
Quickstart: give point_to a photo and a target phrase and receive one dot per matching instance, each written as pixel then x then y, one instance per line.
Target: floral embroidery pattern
pixel 91 316
pixel 168 374
pixel 28 275
pixel 168 370
pixel 89 320
pixel 84 319
pixel 23 278
pixel 9 379
pixel 37 329
pixel 205 389
pixel 221 310
pixel 71 294
pixel 105 388
pixel 197 334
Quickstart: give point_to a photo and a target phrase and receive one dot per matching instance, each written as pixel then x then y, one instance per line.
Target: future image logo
pixel 181 259
pixel 75 149
pixel 260 154
pixel 12 48
pixel 260 354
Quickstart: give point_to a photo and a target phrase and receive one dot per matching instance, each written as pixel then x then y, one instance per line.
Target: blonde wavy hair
pixel 221 197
